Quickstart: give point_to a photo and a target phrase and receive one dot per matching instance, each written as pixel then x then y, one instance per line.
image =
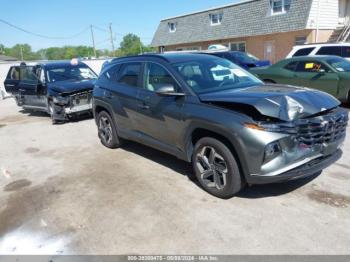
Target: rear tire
pixel 216 168
pixel 107 131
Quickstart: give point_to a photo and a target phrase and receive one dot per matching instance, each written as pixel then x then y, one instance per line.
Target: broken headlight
pixel 61 100
pixel 272 150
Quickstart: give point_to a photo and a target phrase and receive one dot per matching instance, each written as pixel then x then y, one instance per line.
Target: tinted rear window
pixel 330 50
pixel 346 51
pixel 304 51
pixel 291 66
pixel 13 73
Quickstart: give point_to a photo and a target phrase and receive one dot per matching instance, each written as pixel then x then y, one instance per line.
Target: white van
pixel 338 49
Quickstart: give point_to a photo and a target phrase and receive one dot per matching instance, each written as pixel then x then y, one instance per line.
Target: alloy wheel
pixel 105 129
pixel 212 167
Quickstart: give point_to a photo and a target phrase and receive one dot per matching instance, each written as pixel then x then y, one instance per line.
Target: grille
pixel 81 98
pixel 323 129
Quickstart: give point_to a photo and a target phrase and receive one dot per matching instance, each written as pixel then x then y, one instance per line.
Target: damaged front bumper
pixel 79 103
pixel 305 168
pixel 303 148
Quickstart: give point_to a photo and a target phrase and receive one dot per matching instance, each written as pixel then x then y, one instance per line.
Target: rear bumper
pixel 306 170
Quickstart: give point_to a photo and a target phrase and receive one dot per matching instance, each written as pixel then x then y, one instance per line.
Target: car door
pixel 286 74
pixel 121 89
pixel 12 80
pixel 315 74
pixel 31 89
pixel 160 117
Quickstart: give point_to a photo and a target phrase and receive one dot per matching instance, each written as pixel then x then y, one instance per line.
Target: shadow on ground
pixel 72 119
pixel 33 113
pixel 185 169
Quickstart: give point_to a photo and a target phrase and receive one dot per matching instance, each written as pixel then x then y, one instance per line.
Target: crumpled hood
pixel 273 100
pixel 71 86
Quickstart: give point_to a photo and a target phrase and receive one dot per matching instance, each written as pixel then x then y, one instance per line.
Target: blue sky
pixel 62 18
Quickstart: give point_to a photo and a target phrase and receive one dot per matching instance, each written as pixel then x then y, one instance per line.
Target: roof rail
pixel 323 43
pixel 198 51
pixel 141 55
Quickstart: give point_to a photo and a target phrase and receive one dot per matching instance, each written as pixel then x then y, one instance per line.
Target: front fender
pixel 344 90
pixel 234 139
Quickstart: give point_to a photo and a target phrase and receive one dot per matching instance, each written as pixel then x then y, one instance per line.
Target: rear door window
pixel 311 67
pixel 292 66
pixel 112 73
pixel 304 51
pixel 346 51
pixel 13 73
pixel 330 50
pixel 129 74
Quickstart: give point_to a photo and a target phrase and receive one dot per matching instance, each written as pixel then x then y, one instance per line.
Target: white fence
pixel 95 65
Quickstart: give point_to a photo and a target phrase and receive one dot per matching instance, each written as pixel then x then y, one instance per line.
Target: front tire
pixel 51 108
pixel 216 168
pixel 107 131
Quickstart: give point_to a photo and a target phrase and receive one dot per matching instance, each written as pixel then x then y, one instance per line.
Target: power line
pixel 99 28
pixel 40 35
pixel 104 41
pixel 91 27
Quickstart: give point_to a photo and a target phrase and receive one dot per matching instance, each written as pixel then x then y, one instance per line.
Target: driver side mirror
pixel 168 90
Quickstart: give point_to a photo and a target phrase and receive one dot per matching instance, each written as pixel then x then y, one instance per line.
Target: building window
pixel 280 6
pixel 215 19
pixel 238 46
pixel 172 27
pixel 300 40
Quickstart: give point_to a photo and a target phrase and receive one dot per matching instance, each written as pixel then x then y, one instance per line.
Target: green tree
pixel 131 45
pixel 2 49
pixel 21 49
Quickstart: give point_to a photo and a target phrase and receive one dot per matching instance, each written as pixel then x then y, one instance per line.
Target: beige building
pixel 267 29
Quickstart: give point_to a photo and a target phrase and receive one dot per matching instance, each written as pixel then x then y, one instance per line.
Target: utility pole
pixel 141 50
pixel 21 48
pixel 93 41
pixel 111 36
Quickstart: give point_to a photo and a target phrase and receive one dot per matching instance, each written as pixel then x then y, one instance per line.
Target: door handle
pixel 10 85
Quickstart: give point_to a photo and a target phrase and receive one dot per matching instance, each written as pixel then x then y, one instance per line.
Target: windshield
pixel 70 72
pixel 211 74
pixel 339 64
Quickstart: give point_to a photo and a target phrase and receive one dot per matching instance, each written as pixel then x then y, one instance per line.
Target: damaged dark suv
pixel 62 89
pixel 232 127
